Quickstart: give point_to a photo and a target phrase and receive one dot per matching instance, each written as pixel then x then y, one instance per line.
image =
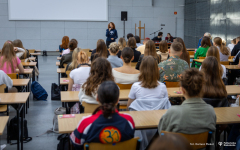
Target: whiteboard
pixel 76 10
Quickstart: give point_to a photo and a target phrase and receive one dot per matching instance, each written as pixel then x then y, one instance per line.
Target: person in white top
pixel 142 47
pixel 20 51
pixel 101 71
pixel 126 74
pixel 79 75
pixel 223 50
pixel 5 79
pixel 233 43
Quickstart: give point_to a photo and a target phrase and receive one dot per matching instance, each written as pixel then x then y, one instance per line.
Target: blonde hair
pixel 122 43
pixel 223 48
pixel 209 35
pixel 74 62
pixel 82 57
pixel 114 48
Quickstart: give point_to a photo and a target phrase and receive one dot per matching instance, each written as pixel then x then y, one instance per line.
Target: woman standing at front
pixel 111 34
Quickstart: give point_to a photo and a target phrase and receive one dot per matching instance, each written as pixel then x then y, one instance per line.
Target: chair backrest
pixel 204 137
pixel 31 50
pixel 225 62
pixel 89 108
pixel 68 72
pixel 2 88
pixel 201 57
pixel 191 52
pixel 172 84
pixel 124 86
pixel 87 51
pixel 134 64
pixel 132 144
pixel 65 65
pixel 231 57
pixel 217 102
pixel 13 75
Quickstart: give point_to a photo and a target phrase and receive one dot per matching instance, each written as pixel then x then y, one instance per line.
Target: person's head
pixel 149 73
pixel 217 41
pixel 146 40
pixel 192 82
pixel 129 35
pixel 18 43
pixel 122 43
pixel 208 35
pixel 137 38
pixel 176 49
pixel 214 86
pixel 180 40
pixel 213 51
pixel 169 35
pixel 127 55
pixel 65 41
pixel 160 34
pixel 163 46
pixel 111 25
pixel 131 42
pixel 150 49
pixel 101 49
pixel 224 43
pixel 72 44
pixel 9 55
pixel 234 41
pixel 107 96
pixel 206 42
pixel 82 57
pixel 237 39
pixel 101 71
pixel 113 48
pixel 74 62
pixel 170 141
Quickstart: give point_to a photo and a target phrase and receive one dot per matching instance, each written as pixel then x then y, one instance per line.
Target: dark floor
pixel 40 113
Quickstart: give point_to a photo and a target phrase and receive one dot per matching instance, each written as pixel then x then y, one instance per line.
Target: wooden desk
pixel 3 123
pixel 57 63
pixel 35 54
pixel 69 96
pixel 31 65
pixel 61 70
pixel 37 50
pixel 20 82
pixel 32 58
pixel 59 58
pixel 150 119
pixel 201 60
pixel 232 67
pixel 64 81
pixel 191 49
pixel 191 56
pixel 26 71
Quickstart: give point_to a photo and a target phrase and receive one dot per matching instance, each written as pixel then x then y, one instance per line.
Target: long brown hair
pixel 72 44
pixel 163 46
pixel 74 62
pixel 112 24
pixel 65 41
pixel 149 73
pixel 206 42
pixel 150 50
pixel 101 50
pixel 214 86
pixel 101 71
pixel 132 42
pixel 18 43
pixel 223 49
pixel 8 55
pixel 185 55
pixel 122 43
pixel 213 51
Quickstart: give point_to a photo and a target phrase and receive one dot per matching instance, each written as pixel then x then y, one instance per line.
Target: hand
pixel 15 49
pixel 112 39
pixel 110 29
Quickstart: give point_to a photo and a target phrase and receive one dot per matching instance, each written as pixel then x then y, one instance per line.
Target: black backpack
pixel 12 130
pixel 55 92
pixel 63 142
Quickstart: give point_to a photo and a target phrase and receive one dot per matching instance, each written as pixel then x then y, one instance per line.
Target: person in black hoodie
pixel 132 44
pixel 158 38
pixel 67 58
pixel 236 48
pixel 111 34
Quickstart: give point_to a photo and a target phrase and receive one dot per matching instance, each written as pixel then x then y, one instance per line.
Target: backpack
pixel 28 54
pixel 55 92
pixel 38 91
pixel 63 142
pixel 13 130
pixel 58 111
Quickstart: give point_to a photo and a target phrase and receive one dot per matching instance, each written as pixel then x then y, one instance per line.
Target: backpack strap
pixel 83 64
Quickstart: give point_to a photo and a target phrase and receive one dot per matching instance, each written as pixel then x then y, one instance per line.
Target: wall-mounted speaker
pixel 123 15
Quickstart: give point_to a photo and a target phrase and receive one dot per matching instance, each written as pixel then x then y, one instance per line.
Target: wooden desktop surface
pixel 69 96
pixel 191 49
pixel 20 82
pixel 232 67
pixel 37 50
pixel 31 64
pixel 59 58
pixel 57 63
pixel 64 81
pixel 26 71
pixel 14 98
pixel 61 70
pixel 191 56
pixel 150 119
pixel 201 60
pixel 3 123
pixel 35 54
pixel 32 58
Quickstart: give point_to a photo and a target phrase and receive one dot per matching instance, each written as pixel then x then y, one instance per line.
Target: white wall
pixel 47 35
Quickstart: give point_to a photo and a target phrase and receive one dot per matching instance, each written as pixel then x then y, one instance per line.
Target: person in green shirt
pixel 202 51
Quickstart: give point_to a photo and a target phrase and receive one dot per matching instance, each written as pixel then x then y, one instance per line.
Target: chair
pixel 13 75
pixel 216 102
pixel 201 57
pixel 172 84
pixel 134 64
pixel 191 52
pixel 68 72
pixel 89 108
pixel 124 87
pixel 132 144
pixel 225 62
pixel 65 65
pixel 204 137
pixel 87 51
pixel 231 57
pixel 3 108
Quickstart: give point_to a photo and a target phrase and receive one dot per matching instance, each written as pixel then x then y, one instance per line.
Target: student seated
pixel 9 62
pixel 79 75
pixel 141 48
pixel 236 48
pixel 233 43
pixel 185 55
pixel 205 35
pixel 67 58
pixel 193 116
pixel 163 50
pixel 223 50
pixel 100 51
pixel 150 50
pixel 158 38
pixel 213 51
pixel 21 52
pixel 74 62
pixel 169 38
pixel 138 41
pixel 126 74
pixel 105 119
pixel 214 86
pixel 132 44
pixel 64 45
pixel 171 69
pixel 101 71
pixel 5 79
pixel 113 58
pixel 148 93
pixel 122 44
pixel 129 35
pixel 202 51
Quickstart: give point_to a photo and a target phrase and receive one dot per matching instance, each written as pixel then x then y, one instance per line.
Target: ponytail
pixel 82 57
pixel 107 108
